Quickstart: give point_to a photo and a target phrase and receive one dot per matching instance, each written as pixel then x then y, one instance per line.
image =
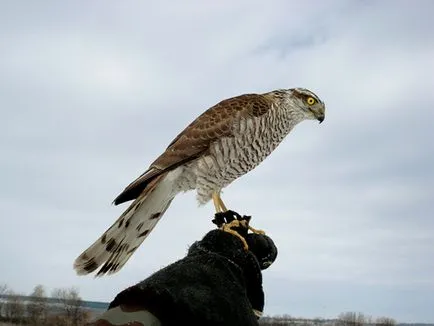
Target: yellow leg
pixel 218 203
pixel 228 228
pixel 222 204
pixel 215 199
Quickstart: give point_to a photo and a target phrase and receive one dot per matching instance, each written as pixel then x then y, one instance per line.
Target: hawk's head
pixel 308 103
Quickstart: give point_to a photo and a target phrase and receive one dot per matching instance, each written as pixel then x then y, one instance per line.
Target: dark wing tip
pixel 130 193
pixel 123 197
pixel 135 188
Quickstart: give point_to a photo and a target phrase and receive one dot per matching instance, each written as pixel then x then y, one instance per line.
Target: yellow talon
pixel 228 228
pixel 220 207
pixel 256 230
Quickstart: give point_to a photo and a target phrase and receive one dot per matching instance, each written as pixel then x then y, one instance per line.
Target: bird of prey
pixel 222 144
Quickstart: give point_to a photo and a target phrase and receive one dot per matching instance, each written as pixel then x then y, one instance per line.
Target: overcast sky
pixel 92 92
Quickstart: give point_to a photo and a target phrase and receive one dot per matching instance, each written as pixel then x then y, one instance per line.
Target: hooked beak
pixel 319 114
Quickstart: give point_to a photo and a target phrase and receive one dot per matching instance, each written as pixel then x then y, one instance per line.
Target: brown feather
pixel 213 124
pixel 196 138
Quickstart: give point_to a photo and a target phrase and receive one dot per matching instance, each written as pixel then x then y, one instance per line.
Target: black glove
pixel 217 283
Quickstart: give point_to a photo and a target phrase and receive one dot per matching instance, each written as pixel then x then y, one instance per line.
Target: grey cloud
pixel 90 94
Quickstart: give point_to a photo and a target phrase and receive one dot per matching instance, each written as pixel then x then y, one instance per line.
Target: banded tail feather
pixel 113 249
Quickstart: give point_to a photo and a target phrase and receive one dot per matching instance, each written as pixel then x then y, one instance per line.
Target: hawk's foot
pixel 256 230
pixel 230 220
pixel 235 224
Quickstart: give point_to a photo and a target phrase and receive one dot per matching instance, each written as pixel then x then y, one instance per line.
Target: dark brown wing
pixel 195 140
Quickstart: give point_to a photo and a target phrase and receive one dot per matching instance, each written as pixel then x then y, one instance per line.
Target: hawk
pixel 222 144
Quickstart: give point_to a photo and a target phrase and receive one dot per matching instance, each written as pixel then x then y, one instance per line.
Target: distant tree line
pixel 68 310
pixel 39 310
pixel 360 319
pixel 344 319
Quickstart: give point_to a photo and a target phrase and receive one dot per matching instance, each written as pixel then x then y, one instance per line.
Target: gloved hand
pixel 219 282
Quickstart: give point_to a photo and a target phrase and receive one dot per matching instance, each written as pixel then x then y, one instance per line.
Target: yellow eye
pixel 311 100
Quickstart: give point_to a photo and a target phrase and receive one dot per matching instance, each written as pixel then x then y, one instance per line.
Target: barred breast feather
pixel 253 139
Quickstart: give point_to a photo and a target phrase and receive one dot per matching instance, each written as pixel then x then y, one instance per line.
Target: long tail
pixel 118 243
